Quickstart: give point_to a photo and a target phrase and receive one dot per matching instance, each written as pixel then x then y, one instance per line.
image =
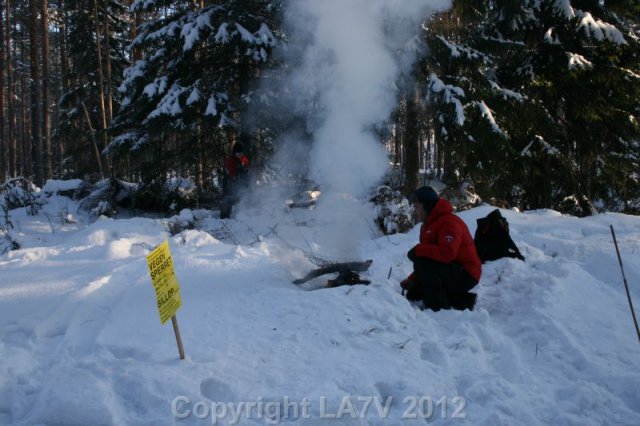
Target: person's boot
pixel 225 209
pixel 462 301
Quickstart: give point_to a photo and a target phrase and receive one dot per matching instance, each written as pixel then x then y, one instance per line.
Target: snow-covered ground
pixel 551 340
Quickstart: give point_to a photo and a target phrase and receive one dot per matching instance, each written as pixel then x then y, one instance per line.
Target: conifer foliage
pixel 186 98
pixel 535 103
pixel 538 100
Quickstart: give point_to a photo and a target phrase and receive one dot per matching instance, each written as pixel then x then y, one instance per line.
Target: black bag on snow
pixel 492 238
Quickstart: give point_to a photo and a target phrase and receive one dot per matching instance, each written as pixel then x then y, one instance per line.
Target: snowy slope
pixel 550 342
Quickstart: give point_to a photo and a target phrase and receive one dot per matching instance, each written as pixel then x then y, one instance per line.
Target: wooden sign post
pixel 166 286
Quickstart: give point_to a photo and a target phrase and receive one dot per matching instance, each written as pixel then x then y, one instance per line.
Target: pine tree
pixel 463 92
pixel 86 74
pixel 184 99
pixel 578 66
pixel 538 100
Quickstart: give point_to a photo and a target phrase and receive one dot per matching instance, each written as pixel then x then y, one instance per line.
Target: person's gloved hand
pixel 407 284
pixel 411 254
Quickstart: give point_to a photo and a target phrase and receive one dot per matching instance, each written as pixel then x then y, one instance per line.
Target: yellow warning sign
pixel 164 281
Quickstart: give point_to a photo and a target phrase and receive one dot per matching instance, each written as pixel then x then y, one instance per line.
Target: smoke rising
pixel 350 54
pixel 344 59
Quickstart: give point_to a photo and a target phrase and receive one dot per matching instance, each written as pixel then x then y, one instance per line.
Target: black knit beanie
pixel 427 196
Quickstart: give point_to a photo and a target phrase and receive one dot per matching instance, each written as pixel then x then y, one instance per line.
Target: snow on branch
pixel 546 147
pixel 157 87
pixel 465 51
pixel 563 8
pixel 629 73
pixel 132 73
pixel 142 5
pixel 550 38
pixel 488 114
pixel 265 36
pixel 245 34
pixel 599 29
pixel 578 61
pixel 450 95
pixel 166 31
pixel 213 102
pixel 506 93
pixel 499 38
pixel 222 36
pixel 170 103
pixel 211 107
pixel 191 30
pixel 195 94
pixel 134 138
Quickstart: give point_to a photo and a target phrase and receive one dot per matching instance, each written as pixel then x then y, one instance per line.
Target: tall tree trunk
pixel 135 24
pixel 96 151
pixel 397 137
pixel 101 104
pixel 412 142
pixel 11 138
pixel 244 77
pixel 107 57
pixel 4 141
pixel 36 94
pixel 27 147
pixel 64 67
pixel 46 114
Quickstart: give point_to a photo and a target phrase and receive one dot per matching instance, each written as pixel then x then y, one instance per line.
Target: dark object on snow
pixel 492 238
pixel 303 199
pixel 440 285
pixel 464 301
pixel 626 286
pixel 235 181
pixel 342 268
pixel 347 278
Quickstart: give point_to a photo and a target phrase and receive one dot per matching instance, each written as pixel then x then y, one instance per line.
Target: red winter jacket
pixel 445 238
pixel 233 163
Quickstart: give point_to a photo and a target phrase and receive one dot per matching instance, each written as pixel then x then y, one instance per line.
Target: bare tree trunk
pixel 46 114
pixel 36 94
pixel 4 141
pixel 412 142
pixel 103 115
pixel 64 66
pixel 397 138
pixel 96 151
pixel 27 147
pixel 11 138
pixel 135 24
pixel 107 56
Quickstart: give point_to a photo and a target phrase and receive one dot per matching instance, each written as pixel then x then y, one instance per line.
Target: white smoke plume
pixel 345 58
pixel 353 52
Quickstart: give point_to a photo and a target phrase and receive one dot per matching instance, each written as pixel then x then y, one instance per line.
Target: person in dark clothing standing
pixel 236 177
pixel 446 265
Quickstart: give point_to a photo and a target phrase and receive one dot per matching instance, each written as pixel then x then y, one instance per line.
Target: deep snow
pixel 551 340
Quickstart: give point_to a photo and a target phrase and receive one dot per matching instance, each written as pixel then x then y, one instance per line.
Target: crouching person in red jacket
pixel 445 262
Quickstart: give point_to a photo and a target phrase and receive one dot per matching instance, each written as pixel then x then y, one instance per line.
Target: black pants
pixel 232 189
pixel 226 205
pixel 441 285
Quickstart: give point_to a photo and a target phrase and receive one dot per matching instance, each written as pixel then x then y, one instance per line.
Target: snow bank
pixel 551 340
pixel 54 186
